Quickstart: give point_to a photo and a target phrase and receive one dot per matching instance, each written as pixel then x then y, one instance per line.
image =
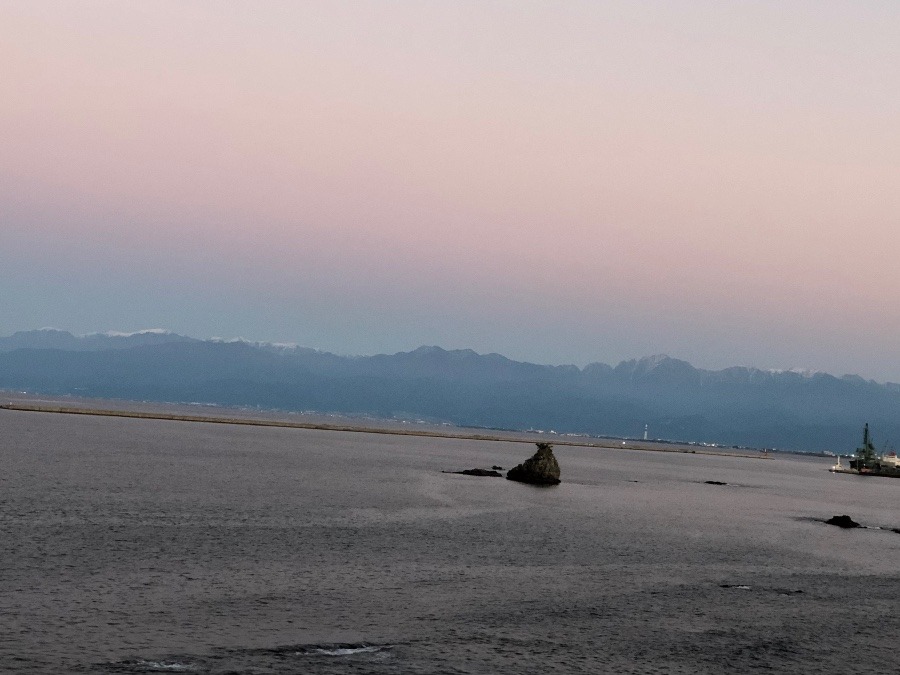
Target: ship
pixel 867 462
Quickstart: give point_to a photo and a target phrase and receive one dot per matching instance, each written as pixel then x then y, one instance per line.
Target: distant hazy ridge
pixel 735 406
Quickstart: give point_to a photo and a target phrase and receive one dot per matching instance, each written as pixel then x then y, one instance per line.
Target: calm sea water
pixel 132 546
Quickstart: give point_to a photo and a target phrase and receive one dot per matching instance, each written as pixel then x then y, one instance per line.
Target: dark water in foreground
pixel 132 546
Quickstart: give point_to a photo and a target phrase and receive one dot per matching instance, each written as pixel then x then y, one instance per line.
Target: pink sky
pixel 558 182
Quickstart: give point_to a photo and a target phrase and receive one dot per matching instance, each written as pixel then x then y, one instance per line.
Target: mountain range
pixel 735 406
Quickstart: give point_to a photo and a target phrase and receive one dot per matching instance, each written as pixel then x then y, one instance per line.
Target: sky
pixel 557 182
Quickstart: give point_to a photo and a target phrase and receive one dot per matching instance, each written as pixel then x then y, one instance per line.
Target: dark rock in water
pixel 842 521
pixel 497 468
pixel 540 469
pixel 478 472
pixel 714 482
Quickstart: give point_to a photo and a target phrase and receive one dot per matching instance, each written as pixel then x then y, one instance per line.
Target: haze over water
pixel 157 546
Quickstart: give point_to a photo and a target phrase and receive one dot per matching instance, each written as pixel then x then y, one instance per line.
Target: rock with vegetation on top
pixel 540 469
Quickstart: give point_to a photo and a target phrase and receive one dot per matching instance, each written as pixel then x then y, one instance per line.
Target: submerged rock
pixel 842 521
pixel 540 469
pixel 478 472
pixel 481 472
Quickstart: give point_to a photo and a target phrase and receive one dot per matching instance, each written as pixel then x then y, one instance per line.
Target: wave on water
pixel 153 666
pixel 274 659
pixel 350 650
pixel 331 649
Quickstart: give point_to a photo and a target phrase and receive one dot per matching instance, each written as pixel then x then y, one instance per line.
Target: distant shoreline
pixel 509 437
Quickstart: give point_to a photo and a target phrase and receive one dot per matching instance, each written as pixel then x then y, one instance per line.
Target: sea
pixel 159 546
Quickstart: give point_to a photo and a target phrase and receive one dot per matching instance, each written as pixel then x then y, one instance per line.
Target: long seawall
pixel 511 437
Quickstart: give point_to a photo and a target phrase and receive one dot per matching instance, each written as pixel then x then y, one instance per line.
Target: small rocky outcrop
pixel 842 521
pixel 540 469
pixel 478 472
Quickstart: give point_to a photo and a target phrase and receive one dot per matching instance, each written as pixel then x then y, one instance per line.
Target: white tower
pixel 646 427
